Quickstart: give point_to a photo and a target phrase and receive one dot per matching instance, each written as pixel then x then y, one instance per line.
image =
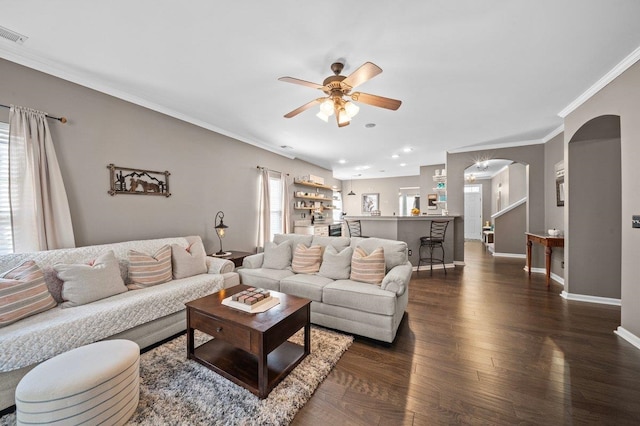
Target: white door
pixel 473 212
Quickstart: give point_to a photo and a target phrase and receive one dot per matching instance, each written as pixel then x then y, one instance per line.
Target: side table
pixel 236 257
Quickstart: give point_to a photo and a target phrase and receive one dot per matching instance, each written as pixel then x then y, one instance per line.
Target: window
pixel 275 204
pixel 6 235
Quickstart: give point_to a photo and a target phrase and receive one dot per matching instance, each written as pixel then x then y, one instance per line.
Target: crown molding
pixel 494 146
pixel 625 64
pixel 21 57
pixel 553 134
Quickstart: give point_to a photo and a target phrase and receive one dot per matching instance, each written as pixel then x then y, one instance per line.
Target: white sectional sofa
pixel 145 316
pixel 365 309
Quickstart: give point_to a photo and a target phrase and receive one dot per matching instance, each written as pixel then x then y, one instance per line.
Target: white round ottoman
pixel 93 384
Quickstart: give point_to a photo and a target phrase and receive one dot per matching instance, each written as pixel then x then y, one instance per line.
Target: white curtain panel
pixel 40 214
pixel 264 216
pixel 287 199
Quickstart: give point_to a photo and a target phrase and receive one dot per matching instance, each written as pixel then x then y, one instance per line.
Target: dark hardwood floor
pixel 486 345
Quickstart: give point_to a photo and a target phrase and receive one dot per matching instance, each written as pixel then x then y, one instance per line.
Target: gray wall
pixel 620 97
pixel 554 214
pixel 209 171
pixel 517 182
pixel 532 155
pixel 486 200
pixel 595 206
pixel 509 234
pixel 500 191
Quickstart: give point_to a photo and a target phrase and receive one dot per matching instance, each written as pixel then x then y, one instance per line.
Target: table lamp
pixel 220 230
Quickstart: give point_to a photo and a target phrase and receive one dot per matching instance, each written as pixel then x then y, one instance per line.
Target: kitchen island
pixel 408 229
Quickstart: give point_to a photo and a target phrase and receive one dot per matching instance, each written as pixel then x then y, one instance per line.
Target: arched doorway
pixel 594 210
pixel 503 184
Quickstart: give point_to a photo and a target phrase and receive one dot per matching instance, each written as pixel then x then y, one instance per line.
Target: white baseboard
pixel 628 336
pixel 590 299
pixel 438 266
pixel 557 278
pixel 458 263
pixel 514 255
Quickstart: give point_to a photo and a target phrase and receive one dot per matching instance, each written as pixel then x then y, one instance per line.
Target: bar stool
pixel 435 240
pixel 355 228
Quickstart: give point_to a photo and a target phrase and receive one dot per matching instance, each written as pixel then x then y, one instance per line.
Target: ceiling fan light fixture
pixel 322 116
pixel 343 117
pixel 351 109
pixel 326 107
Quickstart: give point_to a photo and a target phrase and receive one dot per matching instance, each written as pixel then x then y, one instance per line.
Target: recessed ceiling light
pixel 407 150
pixel 370 125
pixel 342 161
pixel 403 164
pixel 395 156
pixel 366 167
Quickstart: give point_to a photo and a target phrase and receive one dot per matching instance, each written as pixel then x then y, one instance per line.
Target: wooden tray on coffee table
pixel 251 350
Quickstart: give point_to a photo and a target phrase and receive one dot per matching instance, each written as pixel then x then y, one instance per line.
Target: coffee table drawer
pixel 237 336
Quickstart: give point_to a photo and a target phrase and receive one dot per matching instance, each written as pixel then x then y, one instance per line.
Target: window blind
pixel 276 205
pixel 6 236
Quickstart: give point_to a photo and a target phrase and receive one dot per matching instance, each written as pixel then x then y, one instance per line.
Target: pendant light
pixel 351 192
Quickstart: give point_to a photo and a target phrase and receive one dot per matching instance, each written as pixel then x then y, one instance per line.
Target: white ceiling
pixel 470 73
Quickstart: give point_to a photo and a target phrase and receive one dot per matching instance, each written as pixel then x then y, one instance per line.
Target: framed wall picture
pixel 431 201
pixel 560 191
pixel 124 180
pixel 370 202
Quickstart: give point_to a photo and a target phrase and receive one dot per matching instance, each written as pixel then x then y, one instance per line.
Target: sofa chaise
pixel 338 300
pixel 146 315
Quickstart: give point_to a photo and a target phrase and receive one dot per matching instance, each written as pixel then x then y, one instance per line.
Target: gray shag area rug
pixel 177 391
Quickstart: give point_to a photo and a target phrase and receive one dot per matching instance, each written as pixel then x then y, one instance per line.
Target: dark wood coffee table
pixel 251 350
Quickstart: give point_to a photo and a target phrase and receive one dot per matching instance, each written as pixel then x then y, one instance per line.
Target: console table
pixel 548 241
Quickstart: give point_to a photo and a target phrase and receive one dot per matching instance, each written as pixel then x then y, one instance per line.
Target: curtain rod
pixel 60 119
pixel 271 170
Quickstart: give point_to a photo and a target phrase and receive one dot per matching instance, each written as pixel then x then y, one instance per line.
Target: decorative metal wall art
pixel 138 181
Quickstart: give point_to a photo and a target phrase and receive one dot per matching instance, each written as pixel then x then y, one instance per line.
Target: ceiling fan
pixel 338 87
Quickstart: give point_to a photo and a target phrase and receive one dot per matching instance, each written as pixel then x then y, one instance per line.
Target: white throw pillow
pixel 88 283
pixel 277 256
pixel 188 261
pixel 336 265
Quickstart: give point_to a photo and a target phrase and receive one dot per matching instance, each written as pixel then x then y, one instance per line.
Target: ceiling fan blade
pixel 303 108
pixel 301 82
pixel 375 100
pixel 367 71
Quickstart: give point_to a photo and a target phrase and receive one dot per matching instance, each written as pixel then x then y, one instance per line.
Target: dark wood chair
pixel 434 240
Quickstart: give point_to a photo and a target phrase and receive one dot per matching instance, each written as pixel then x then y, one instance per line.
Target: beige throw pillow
pixel 188 261
pixel 94 281
pixel 306 260
pixel 23 293
pixel 146 271
pixel 368 268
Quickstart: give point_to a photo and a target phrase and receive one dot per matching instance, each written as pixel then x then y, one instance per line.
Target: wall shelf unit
pixel 441 190
pixel 313 198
